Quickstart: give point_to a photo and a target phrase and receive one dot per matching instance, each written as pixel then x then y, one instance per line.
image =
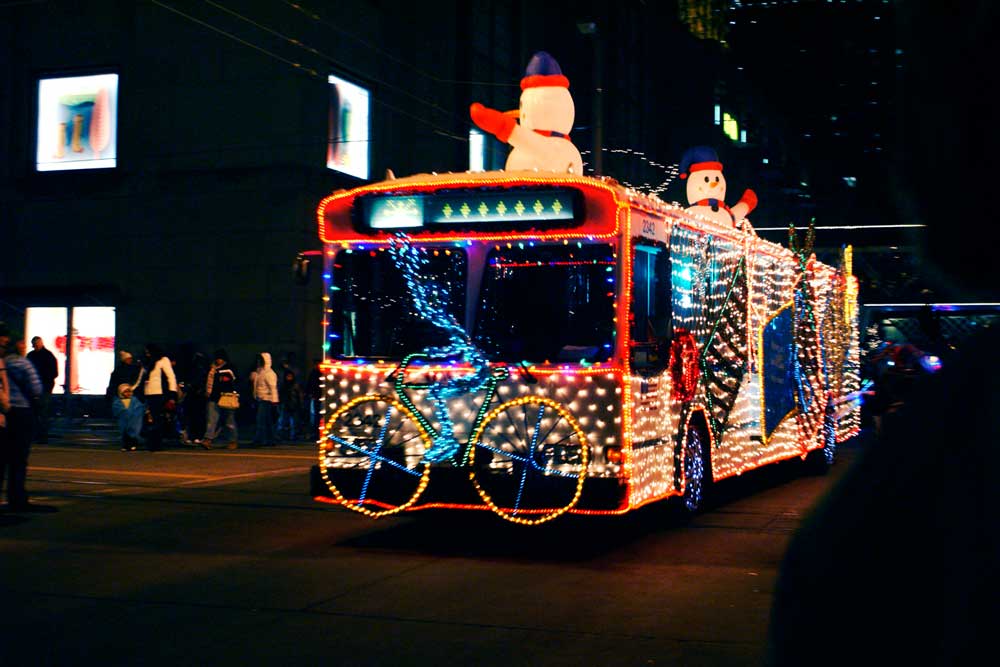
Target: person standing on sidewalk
pixel 264 382
pixel 221 380
pixel 24 389
pixel 160 393
pixel 130 412
pixel 4 401
pixel 129 372
pixel 48 370
pixel 314 394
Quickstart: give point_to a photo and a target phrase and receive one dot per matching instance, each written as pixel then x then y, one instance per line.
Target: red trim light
pixel 603 211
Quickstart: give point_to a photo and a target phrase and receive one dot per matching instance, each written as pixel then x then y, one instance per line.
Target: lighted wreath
pixel 684 369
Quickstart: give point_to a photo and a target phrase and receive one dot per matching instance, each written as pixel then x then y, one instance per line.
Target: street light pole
pixel 597 110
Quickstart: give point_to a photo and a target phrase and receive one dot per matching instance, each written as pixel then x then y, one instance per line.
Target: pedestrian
pixel 194 409
pixel 314 394
pixel 160 394
pixel 220 381
pixel 129 371
pixel 286 365
pixel 906 543
pixel 4 402
pixel 24 389
pixel 4 397
pixel 48 370
pixel 264 382
pixel 130 412
pixel 291 399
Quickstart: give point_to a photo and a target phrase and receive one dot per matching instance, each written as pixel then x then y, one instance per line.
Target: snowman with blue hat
pixel 706 189
pixel 539 130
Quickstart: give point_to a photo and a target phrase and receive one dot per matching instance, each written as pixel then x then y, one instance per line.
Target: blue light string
pixel 429 302
pixel 375 456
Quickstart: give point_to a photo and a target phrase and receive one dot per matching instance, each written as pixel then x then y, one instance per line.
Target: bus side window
pixel 650 308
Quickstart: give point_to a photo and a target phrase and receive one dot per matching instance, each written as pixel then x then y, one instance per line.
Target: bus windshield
pixel 372 314
pixel 547 303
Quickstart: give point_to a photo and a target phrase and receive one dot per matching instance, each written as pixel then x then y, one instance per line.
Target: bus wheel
pixel 371 456
pixel 818 461
pixel 529 460
pixel 697 471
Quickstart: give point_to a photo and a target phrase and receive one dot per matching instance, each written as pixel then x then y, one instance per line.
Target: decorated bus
pixel 535 344
pixel 534 341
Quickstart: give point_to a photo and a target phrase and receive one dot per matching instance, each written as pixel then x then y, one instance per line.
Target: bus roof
pixel 349 216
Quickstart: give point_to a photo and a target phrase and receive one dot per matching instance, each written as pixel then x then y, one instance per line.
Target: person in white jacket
pixel 264 382
pixel 160 394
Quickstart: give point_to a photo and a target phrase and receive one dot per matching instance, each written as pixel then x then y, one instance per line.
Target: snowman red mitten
pixel 492 121
pixel 750 199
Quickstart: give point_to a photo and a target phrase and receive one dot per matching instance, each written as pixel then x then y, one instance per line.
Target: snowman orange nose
pixel 713 184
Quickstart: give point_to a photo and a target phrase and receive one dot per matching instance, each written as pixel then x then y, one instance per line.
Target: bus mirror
pixel 301 269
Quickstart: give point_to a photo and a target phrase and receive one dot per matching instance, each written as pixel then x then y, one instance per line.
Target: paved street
pixel 220 558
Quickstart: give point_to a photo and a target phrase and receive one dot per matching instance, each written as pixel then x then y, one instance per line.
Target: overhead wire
pixel 437 128
pixel 294 64
pixel 350 35
pixel 299 44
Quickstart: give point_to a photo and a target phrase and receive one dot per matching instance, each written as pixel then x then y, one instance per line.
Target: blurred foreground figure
pixel 898 564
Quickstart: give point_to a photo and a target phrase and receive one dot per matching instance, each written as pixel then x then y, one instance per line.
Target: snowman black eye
pixel 716 179
pixel 706 179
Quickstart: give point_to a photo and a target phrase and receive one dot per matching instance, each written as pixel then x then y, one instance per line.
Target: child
pixel 130 412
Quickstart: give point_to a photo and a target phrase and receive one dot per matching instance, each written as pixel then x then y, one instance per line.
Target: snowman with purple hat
pixel 706 189
pixel 541 139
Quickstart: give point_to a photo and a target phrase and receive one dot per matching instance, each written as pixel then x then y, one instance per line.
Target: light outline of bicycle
pixel 533 440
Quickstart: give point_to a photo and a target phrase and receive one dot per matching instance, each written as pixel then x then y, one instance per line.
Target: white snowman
pixel 706 188
pixel 541 139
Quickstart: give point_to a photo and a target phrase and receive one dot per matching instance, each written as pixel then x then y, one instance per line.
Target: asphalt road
pixel 193 557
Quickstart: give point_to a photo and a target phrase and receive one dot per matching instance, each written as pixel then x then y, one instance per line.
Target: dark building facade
pixel 223 132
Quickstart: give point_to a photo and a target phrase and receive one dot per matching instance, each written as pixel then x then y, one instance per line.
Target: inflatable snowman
pixel 541 139
pixel 706 188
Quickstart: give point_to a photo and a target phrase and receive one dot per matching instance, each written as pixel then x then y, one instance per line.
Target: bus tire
pixel 697 471
pixel 819 461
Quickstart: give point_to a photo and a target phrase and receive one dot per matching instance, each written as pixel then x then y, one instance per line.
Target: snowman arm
pixel 490 120
pixel 750 199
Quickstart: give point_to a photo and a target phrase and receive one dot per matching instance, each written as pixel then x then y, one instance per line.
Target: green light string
pixel 715 424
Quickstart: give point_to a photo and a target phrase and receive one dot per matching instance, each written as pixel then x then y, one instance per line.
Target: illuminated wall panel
pixel 91 339
pixel 77 123
pixel 349 128
pixel 50 325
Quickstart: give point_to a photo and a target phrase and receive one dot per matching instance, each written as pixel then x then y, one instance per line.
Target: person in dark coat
pixel 221 379
pixel 24 390
pixel 48 370
pixel 904 551
pixel 127 372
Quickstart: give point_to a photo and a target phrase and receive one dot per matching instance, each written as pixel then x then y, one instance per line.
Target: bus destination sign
pixel 509 208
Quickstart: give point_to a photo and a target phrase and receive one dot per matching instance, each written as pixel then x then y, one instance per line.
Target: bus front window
pixel 373 314
pixel 548 303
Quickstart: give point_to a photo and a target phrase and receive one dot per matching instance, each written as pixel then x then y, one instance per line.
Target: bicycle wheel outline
pixel 475 442
pixel 405 413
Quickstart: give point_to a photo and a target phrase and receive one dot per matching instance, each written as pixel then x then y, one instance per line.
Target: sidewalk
pixel 97 431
